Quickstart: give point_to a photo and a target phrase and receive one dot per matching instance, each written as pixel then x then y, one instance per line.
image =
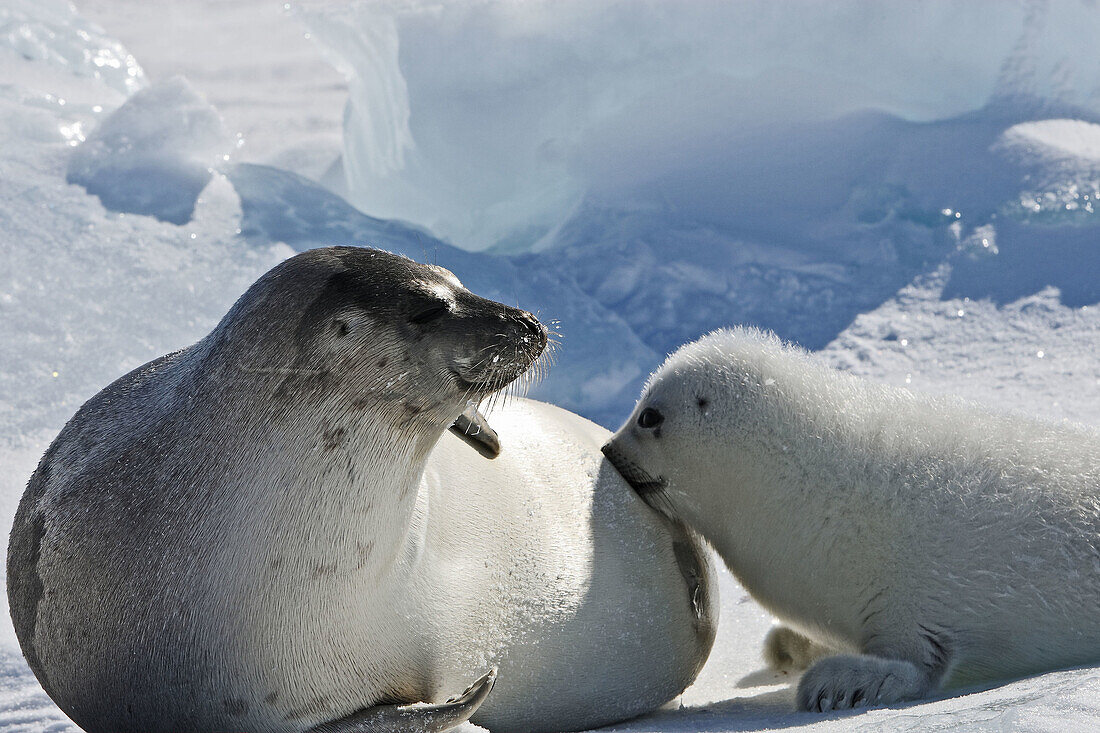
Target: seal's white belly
pixel 545 563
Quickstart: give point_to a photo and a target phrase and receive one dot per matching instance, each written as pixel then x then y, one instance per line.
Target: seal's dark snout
pixel 617 460
pixel 642 482
pixel 534 329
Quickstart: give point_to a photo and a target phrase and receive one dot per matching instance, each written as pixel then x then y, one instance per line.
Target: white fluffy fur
pixel 928 542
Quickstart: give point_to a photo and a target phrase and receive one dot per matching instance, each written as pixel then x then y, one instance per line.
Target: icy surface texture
pixel 834 217
pixel 487 121
pixel 254 61
pixel 51 32
pixel 689 166
pixel 947 240
pixel 154 154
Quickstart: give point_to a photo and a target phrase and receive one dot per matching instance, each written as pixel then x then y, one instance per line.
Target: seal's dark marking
pixel 332 438
pixel 235 706
pixel 364 551
pixel 693 568
pixel 325 568
pixel 312 707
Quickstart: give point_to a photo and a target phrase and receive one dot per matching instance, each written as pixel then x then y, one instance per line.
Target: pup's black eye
pixel 342 328
pixel 431 313
pixel 650 418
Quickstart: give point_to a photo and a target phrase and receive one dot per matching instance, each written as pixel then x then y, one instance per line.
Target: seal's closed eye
pixel 431 313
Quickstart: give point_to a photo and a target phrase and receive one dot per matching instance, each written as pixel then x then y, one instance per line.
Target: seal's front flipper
pixel 472 427
pixel 786 650
pixel 416 718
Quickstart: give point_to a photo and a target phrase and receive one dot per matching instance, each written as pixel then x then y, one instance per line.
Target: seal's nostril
pixel 533 326
pixel 606 449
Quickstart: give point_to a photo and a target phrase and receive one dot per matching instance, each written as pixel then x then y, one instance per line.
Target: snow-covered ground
pixel 912 192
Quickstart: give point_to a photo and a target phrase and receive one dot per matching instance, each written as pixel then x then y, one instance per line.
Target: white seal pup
pixel 910 543
pixel 271 530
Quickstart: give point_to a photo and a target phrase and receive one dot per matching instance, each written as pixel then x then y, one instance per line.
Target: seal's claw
pixel 482 686
pixel 416 718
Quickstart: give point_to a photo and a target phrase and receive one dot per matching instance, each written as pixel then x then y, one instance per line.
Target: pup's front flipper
pixel 858 680
pixel 786 650
pixel 417 718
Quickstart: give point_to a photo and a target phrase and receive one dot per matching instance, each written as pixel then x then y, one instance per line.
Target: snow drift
pixel 154 154
pixel 487 122
pixel 692 166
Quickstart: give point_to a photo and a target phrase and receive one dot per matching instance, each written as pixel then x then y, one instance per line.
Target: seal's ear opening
pixel 473 428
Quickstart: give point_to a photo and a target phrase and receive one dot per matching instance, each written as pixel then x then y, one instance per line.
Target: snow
pixel 488 123
pixel 1072 142
pixel 253 60
pixel 910 190
pixel 52 34
pixel 154 154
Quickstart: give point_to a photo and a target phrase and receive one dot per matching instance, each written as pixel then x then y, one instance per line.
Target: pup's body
pixel 928 542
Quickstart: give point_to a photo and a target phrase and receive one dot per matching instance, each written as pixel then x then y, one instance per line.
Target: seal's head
pixel 708 405
pixel 363 329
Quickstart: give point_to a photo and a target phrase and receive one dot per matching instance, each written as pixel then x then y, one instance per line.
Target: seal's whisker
pixel 493 401
pixel 280 370
pixel 489 352
pixel 661 497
